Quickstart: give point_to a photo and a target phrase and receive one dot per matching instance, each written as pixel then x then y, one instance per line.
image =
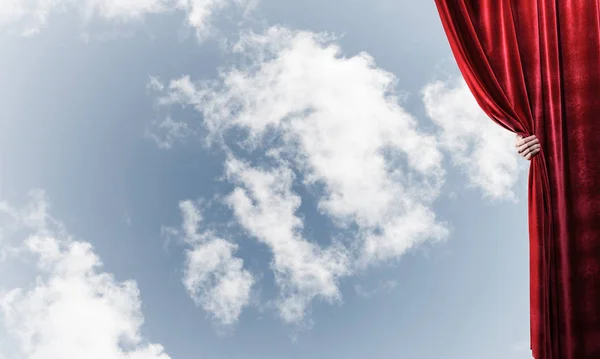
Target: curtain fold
pixel 532 66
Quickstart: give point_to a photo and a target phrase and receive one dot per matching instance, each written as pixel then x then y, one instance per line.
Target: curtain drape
pixel 532 66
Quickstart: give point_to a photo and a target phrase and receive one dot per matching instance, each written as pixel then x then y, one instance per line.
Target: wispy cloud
pixel 73 310
pixel 522 346
pixel 30 16
pixel 381 286
pixel 167 132
pixel 483 150
pixel 337 121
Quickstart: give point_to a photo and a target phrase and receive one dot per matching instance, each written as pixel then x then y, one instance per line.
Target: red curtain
pixel 533 67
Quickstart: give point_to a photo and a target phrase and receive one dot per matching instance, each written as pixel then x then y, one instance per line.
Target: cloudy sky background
pixel 251 179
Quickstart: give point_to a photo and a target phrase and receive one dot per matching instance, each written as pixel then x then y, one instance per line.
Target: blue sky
pixel 251 179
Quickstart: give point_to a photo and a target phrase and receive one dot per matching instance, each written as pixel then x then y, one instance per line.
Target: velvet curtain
pixel 532 66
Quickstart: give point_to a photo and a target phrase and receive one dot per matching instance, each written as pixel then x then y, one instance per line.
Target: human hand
pixel 528 146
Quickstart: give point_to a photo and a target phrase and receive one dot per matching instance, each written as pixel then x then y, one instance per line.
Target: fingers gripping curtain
pixel 532 65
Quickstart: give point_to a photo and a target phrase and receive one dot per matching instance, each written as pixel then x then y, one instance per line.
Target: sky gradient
pixel 252 179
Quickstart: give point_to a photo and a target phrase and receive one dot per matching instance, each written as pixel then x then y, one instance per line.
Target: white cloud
pixel 154 84
pixel 482 149
pixel 167 132
pixel 126 9
pixel 73 310
pixel 11 10
pixel 213 277
pixel 381 286
pixel 32 15
pixel 339 123
pixel 200 11
pixel 265 205
pixel 217 281
pixel 14 222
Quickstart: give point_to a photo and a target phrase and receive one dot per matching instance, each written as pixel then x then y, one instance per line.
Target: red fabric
pixel 533 65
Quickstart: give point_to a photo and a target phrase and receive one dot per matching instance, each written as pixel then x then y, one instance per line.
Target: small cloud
pixel 213 277
pixel 199 13
pixel 167 132
pixel 170 235
pixel 522 346
pixel 216 280
pixel 155 84
pixel 382 286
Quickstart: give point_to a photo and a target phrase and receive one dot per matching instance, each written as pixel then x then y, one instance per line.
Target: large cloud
pixel 338 123
pixel 30 16
pixel 73 310
pixel 482 149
